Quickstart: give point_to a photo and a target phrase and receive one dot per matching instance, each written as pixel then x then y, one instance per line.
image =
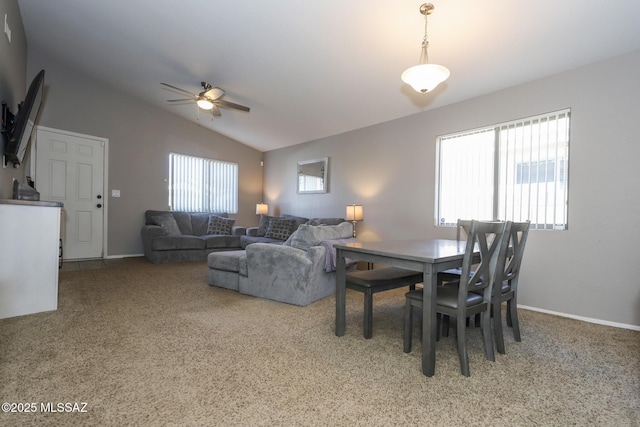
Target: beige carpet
pixel 144 344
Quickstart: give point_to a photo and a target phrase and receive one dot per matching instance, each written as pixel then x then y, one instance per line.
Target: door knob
pixel 99 205
pixel 99 196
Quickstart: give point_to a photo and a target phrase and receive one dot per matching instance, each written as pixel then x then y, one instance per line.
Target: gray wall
pixel 590 271
pixel 140 139
pixel 13 82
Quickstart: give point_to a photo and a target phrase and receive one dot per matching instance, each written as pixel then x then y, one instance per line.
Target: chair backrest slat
pixel 477 274
pixel 511 262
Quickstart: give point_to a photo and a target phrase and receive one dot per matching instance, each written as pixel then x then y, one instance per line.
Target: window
pixel 202 185
pixel 512 171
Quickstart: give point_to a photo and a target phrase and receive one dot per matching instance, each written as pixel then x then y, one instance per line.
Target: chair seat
pixel 447 296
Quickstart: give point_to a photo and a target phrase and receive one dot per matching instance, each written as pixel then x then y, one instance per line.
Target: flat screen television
pixel 17 130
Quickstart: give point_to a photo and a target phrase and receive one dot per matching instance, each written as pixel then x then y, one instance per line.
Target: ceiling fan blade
pixel 180 100
pixel 216 111
pixel 227 104
pixel 214 93
pixel 178 89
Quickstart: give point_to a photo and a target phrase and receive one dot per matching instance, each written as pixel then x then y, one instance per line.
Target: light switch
pixel 115 193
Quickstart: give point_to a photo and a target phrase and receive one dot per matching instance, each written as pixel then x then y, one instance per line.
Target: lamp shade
pixel 262 209
pixel 425 77
pixel 355 213
pixel 205 104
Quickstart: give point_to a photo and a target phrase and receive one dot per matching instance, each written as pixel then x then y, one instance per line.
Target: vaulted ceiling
pixel 314 69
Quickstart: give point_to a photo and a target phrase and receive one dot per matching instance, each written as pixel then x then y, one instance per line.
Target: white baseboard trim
pixel 123 256
pixel 584 319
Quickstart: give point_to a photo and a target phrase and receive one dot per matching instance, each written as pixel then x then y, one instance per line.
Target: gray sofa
pixel 295 272
pixel 171 236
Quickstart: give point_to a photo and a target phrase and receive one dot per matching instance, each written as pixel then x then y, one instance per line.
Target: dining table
pixel 430 256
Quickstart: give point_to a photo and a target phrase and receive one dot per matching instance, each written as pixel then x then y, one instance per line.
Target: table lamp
pixel 355 213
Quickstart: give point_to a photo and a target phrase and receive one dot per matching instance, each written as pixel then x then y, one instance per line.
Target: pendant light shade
pixel 425 77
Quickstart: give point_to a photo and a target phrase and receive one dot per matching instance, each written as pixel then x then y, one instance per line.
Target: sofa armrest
pixel 252 231
pixel 238 230
pixel 150 232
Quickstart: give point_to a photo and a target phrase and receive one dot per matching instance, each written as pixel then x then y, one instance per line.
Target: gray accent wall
pixel 140 139
pixel 590 271
pixel 13 82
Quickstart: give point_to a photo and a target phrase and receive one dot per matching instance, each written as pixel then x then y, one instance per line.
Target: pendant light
pixel 424 77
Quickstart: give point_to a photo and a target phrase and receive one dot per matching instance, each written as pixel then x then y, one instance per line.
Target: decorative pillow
pixel 298 220
pixel 279 228
pixel 220 225
pixel 264 223
pixel 168 223
pixel 307 236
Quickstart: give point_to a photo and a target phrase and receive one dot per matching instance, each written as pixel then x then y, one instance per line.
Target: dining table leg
pixel 429 321
pixel 341 293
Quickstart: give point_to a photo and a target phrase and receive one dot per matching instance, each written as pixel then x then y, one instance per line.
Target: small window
pixel 202 185
pixel 511 171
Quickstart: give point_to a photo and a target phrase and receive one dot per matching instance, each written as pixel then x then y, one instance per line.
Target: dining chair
pixel 471 294
pixel 506 282
pixel 378 280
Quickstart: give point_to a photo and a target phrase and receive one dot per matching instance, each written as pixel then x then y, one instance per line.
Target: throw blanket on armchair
pixel 330 258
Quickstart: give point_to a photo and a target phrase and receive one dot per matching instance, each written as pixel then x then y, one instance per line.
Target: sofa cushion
pixel 200 221
pixel 184 222
pixel 280 228
pixel 169 243
pixel 168 224
pixel 307 236
pixel 262 226
pixel 220 225
pixel 221 241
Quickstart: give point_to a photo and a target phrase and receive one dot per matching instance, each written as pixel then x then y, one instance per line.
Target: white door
pixel 70 169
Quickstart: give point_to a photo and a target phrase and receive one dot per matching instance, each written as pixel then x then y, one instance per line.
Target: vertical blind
pixel 202 185
pixel 514 171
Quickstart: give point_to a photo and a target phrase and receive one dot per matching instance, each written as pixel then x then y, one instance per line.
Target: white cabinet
pixel 29 252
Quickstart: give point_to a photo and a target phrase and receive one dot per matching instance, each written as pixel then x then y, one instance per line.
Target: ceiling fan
pixel 209 99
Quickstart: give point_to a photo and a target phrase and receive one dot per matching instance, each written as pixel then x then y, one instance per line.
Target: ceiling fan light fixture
pixel 205 104
pixel 425 77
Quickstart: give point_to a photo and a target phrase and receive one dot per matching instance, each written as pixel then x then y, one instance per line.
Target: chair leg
pixel 463 354
pixel 445 325
pixel 486 333
pixel 497 327
pixel 509 322
pixel 408 326
pixel 367 320
pixel 512 308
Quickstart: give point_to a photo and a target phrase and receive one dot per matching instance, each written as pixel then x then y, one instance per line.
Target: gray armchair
pixel 294 272
pixel 287 274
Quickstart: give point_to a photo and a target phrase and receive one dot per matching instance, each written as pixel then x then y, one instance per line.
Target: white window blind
pixel 202 185
pixel 512 171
